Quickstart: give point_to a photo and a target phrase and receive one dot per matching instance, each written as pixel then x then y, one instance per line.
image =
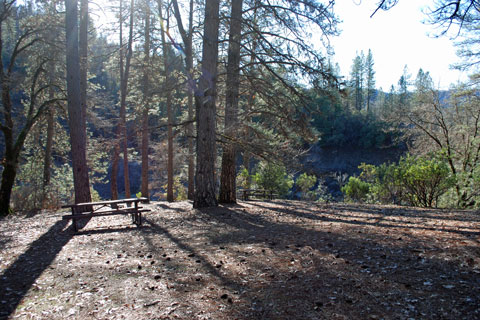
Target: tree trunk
pixel 83 52
pixel 10 161
pixel 168 93
pixel 187 41
pixel 206 111
pixel 118 131
pixel 228 176
pixel 123 102
pixel 8 179
pixel 47 164
pixel 191 85
pixel 122 127
pixel 145 143
pixel 146 98
pixel 249 105
pixel 77 132
pixel 170 197
pixel 114 173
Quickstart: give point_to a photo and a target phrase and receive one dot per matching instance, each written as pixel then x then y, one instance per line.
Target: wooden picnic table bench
pixel 106 208
pixel 266 194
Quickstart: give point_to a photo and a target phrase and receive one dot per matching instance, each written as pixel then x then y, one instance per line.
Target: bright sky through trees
pixel 396 37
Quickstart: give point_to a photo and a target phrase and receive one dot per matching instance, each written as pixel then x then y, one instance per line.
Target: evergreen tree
pixel 403 84
pixel 357 80
pixel 78 139
pixel 228 176
pixel 187 38
pixel 206 110
pixel 370 78
pixel 145 101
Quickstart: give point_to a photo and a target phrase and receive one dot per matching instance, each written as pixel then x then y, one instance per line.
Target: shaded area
pixel 266 260
pixel 19 277
pixel 401 276
pixel 378 218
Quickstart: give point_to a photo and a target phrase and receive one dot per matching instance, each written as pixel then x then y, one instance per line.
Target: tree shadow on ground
pixel 382 222
pixel 323 273
pixel 383 274
pixel 19 277
pixel 262 261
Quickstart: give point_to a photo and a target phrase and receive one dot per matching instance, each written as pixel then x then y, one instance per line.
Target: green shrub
pixel 273 177
pixel 386 180
pixel 321 193
pixel 416 181
pixel 306 182
pixel 425 180
pixel 244 178
pixel 356 189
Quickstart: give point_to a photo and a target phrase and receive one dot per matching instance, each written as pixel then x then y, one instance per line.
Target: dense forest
pixel 177 100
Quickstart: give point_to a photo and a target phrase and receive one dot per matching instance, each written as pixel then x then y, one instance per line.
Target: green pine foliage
pixel 305 183
pixel 273 177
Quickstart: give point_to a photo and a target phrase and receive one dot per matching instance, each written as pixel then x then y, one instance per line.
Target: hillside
pixel 255 260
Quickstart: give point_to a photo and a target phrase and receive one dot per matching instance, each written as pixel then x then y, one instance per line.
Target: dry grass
pixel 255 260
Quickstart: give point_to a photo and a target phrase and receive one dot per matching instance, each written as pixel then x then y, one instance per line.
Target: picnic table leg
pixel 135 215
pixel 74 221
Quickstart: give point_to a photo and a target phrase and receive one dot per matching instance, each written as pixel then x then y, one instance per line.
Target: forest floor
pixel 255 260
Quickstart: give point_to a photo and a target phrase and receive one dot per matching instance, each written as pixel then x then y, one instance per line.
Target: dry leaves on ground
pixel 255 260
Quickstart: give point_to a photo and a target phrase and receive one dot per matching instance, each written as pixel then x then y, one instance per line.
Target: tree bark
pixel 168 93
pixel 206 111
pixel 10 164
pixel 83 52
pixel 47 163
pixel 114 173
pixel 123 104
pixel 187 41
pixel 170 197
pixel 146 98
pixel 122 126
pixel 191 84
pixel 118 131
pixel 228 176
pixel 77 132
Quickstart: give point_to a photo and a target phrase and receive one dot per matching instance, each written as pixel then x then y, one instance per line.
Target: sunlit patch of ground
pixel 254 260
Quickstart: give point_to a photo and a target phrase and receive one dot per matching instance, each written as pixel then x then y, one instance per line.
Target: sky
pixel 397 38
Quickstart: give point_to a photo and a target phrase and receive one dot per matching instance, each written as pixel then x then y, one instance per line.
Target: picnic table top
pixel 106 202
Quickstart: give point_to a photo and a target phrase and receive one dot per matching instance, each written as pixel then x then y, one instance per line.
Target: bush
pixel 273 177
pixel 356 189
pixel 321 194
pixel 305 183
pixel 243 178
pixel 386 182
pixel 416 181
pixel 425 180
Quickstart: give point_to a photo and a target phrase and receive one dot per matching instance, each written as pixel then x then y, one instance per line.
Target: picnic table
pixel 106 208
pixel 266 194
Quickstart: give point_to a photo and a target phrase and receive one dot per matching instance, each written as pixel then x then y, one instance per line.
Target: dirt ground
pixel 255 260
